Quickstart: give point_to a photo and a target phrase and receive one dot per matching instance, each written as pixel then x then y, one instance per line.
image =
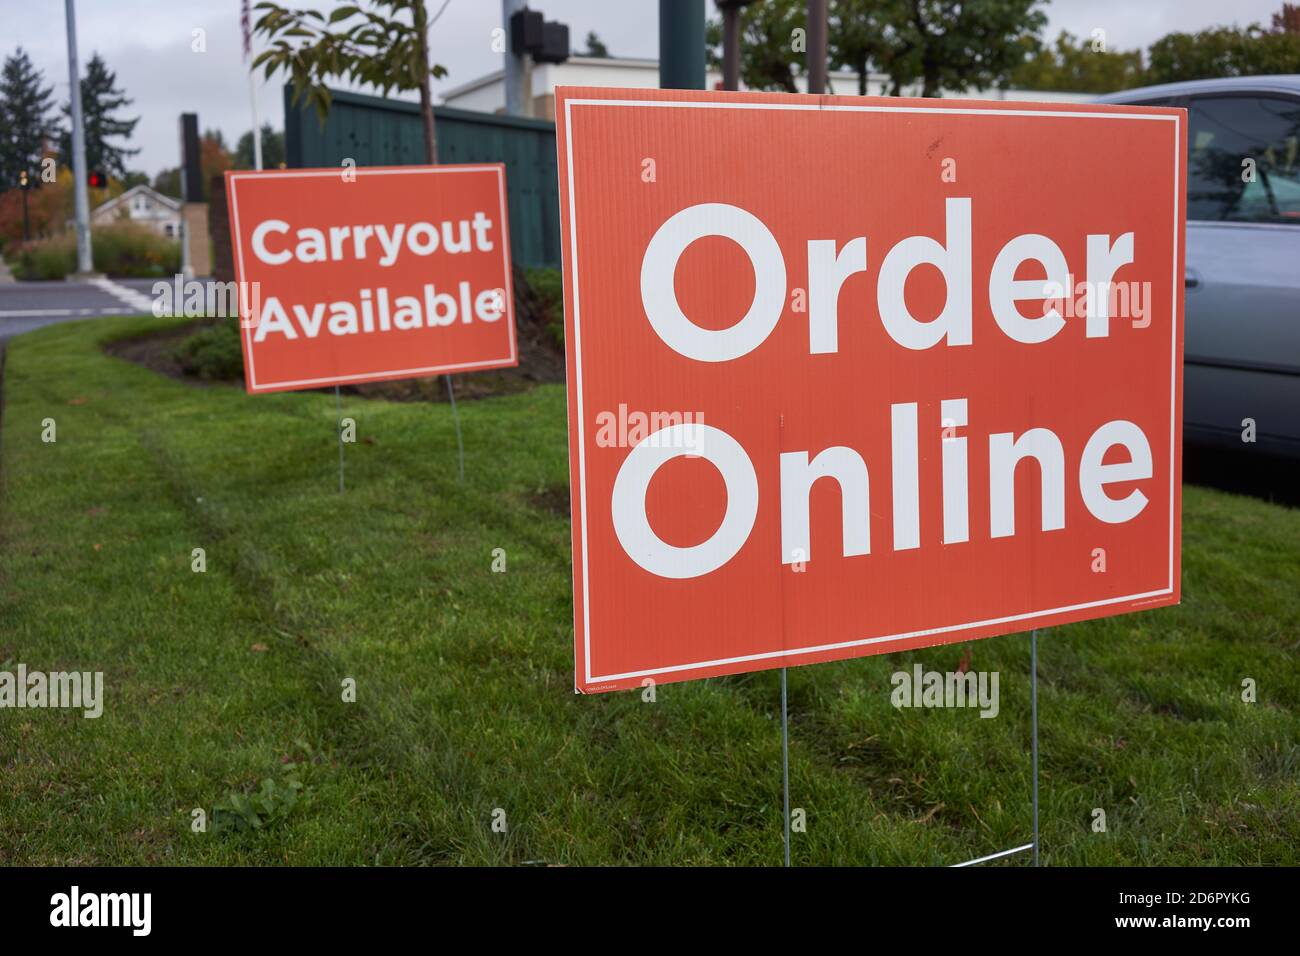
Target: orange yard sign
pixel 361 275
pixel 850 375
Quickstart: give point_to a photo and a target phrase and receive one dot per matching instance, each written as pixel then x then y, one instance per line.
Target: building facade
pixel 143 205
pixel 487 93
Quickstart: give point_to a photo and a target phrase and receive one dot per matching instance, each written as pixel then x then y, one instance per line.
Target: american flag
pixel 245 21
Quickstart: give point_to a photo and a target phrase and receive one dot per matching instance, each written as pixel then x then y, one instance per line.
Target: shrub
pixel 52 258
pixel 547 288
pixel 122 249
pixel 128 249
pixel 213 352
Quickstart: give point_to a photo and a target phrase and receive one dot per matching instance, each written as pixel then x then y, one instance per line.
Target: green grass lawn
pixel 218 681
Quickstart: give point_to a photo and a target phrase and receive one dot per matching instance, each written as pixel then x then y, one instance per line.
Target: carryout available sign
pixel 928 360
pixel 370 274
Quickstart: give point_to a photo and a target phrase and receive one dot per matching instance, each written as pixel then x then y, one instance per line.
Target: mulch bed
pixel 156 351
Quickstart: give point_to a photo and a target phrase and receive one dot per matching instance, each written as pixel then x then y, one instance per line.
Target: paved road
pixel 30 305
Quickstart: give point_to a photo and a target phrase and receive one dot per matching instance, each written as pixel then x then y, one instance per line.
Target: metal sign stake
pixel 785 764
pixel 1033 720
pixel 455 415
pixel 338 415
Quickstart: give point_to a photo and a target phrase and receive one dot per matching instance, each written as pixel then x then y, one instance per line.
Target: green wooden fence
pixel 375 131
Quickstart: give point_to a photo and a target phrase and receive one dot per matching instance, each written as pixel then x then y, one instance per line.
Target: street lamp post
pixel 85 264
pixel 516 78
pixel 817 46
pixel 24 185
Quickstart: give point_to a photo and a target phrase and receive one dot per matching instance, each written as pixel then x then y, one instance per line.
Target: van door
pixel 1242 344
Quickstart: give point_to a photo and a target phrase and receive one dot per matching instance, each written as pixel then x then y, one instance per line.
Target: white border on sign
pixel 245 331
pixel 833 108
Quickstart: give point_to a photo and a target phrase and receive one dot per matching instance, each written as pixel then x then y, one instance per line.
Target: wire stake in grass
pixel 785 714
pixel 455 417
pixel 338 415
pixel 785 765
pixel 1033 719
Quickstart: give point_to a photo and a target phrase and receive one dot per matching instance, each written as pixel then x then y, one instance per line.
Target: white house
pixel 487 93
pixel 144 205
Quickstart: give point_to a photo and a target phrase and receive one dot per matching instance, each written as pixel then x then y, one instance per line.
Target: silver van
pixel 1242 341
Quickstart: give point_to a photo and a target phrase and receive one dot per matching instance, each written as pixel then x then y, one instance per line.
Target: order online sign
pixel 368 274
pixel 850 375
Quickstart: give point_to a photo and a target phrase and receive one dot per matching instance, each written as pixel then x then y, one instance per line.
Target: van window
pixel 1244 159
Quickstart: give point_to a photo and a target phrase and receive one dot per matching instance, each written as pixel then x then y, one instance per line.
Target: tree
pixel 24 118
pixel 955 44
pixel 1079 66
pixel 595 45
pixel 100 101
pixel 214 159
pixel 853 41
pixel 865 36
pixel 273 153
pixel 939 44
pixel 168 182
pixel 1225 51
pixel 386 46
pixel 769 53
pixel 48 209
pixel 1287 20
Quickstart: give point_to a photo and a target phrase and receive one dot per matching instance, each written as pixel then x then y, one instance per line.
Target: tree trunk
pixel 426 97
pixel 929 58
pixel 426 113
pixel 930 85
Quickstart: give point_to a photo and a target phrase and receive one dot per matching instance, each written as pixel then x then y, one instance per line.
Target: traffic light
pixel 545 40
pixel 97 179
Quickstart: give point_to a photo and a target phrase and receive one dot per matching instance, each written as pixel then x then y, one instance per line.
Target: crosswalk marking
pixel 137 300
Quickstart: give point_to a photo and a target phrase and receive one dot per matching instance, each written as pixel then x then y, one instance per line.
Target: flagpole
pixel 245 22
pixel 257 127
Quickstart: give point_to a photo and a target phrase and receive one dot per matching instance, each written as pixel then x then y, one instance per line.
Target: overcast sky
pixel 148 44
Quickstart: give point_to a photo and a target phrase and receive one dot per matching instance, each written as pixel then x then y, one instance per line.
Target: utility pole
pixel 731 41
pixel 817 46
pixel 516 78
pixel 681 44
pixel 85 264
